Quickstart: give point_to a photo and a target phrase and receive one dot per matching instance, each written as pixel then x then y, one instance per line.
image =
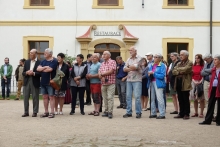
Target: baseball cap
pixel 149 53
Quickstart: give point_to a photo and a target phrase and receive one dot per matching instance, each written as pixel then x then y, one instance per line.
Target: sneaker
pixel 56 113
pixel 105 114
pixel 2 99
pixel 110 115
pixel 16 99
pixel 8 98
pixel 138 116
pixel 153 116
pixel 127 115
pixel 124 107
pixel 161 117
pixel 61 113
pixel 72 112
pixel 120 106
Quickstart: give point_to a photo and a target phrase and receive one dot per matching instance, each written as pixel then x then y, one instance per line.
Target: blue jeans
pixel 134 87
pixel 157 93
pixel 7 84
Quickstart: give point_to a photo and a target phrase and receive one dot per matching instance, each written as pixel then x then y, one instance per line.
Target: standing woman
pixel 196 93
pixel 60 94
pixel 67 99
pixel 214 94
pixel 144 96
pixel 78 83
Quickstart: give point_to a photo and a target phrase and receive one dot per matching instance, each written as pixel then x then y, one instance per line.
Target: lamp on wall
pixel 142 3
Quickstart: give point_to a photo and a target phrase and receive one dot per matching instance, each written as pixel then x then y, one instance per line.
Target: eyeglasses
pixel 156 57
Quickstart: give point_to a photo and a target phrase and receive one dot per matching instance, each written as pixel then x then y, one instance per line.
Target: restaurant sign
pixel 105 33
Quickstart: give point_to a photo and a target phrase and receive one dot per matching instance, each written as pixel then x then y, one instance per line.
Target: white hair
pixel 217 56
pixel 133 47
pixel 50 51
pixel 207 55
pixel 174 54
pixel 96 54
pixel 108 53
pixel 185 52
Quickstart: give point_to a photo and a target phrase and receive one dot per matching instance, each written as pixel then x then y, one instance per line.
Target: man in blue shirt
pixel 48 71
pixel 121 77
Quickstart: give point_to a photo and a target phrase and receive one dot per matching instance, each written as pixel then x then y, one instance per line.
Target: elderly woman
pixel 157 73
pixel 78 83
pixel 214 94
pixel 183 80
pixel 60 94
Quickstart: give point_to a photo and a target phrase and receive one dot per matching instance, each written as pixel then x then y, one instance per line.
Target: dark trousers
pixel 88 92
pixel 121 87
pixel 183 97
pixel 81 91
pixel 30 89
pixel 7 84
pixel 211 107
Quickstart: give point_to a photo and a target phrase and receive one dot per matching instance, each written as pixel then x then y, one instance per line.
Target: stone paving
pixel 90 131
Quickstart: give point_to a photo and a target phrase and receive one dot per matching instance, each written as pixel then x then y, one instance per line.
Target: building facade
pixel 88 26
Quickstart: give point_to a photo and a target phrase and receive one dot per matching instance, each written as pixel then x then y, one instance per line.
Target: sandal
pixel 51 115
pixel 96 114
pixel 92 113
pixel 201 116
pixel 195 115
pixel 44 115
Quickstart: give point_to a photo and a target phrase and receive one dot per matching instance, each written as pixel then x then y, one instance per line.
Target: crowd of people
pixel 148 79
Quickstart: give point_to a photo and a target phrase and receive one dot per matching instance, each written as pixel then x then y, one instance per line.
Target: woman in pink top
pixel 196 93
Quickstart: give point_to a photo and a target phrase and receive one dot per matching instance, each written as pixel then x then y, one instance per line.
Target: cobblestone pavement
pixel 89 131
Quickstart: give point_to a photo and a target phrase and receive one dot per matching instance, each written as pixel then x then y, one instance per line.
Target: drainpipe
pixel 211 4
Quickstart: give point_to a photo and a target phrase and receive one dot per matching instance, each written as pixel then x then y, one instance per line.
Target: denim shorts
pixel 47 89
pixel 60 93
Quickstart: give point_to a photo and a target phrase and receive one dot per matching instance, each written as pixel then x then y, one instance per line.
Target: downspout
pixel 211 4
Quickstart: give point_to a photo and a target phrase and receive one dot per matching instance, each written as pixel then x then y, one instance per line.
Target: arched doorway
pixel 114 49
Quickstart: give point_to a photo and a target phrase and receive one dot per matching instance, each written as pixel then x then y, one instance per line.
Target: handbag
pixel 200 90
pixel 56 82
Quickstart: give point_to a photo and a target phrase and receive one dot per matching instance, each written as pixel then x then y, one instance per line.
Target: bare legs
pixel 144 101
pixel 46 103
pixel 202 105
pixel 60 101
pixel 175 102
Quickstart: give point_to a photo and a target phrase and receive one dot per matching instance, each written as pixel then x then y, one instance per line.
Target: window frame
pixel 96 6
pixel 26 39
pixel 38 51
pixel 27 5
pixel 190 5
pixel 190 42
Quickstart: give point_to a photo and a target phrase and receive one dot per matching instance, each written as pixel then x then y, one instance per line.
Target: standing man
pixel 183 73
pixel 95 84
pixel 121 77
pixel 134 83
pixel 150 59
pixel 31 83
pixel 48 71
pixel 107 76
pixel 88 62
pixel 19 77
pixel 206 73
pixel 6 72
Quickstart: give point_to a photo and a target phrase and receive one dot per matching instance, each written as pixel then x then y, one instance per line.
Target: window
pixel 100 48
pixel 107 4
pixel 178 4
pixel 38 4
pixel 175 47
pixel 40 46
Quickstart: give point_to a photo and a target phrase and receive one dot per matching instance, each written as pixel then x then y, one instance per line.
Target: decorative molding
pixel 109 23
pixel 88 33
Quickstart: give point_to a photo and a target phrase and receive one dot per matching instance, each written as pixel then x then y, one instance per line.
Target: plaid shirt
pixel 106 66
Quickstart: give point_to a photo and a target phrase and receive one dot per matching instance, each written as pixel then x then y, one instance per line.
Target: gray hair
pixel 119 58
pixel 174 54
pixel 207 55
pixel 159 55
pixel 108 53
pixel 185 52
pixel 49 51
pixel 217 56
pixel 96 54
pixel 133 47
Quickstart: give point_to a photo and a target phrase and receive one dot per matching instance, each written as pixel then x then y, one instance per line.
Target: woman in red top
pixel 196 93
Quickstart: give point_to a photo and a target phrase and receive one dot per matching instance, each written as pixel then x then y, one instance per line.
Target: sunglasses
pixel 156 57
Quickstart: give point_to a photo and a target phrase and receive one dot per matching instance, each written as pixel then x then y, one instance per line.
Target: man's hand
pixel 100 76
pixel 77 83
pixel 4 77
pixel 150 72
pixel 103 79
pixel 123 79
pixel 132 68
